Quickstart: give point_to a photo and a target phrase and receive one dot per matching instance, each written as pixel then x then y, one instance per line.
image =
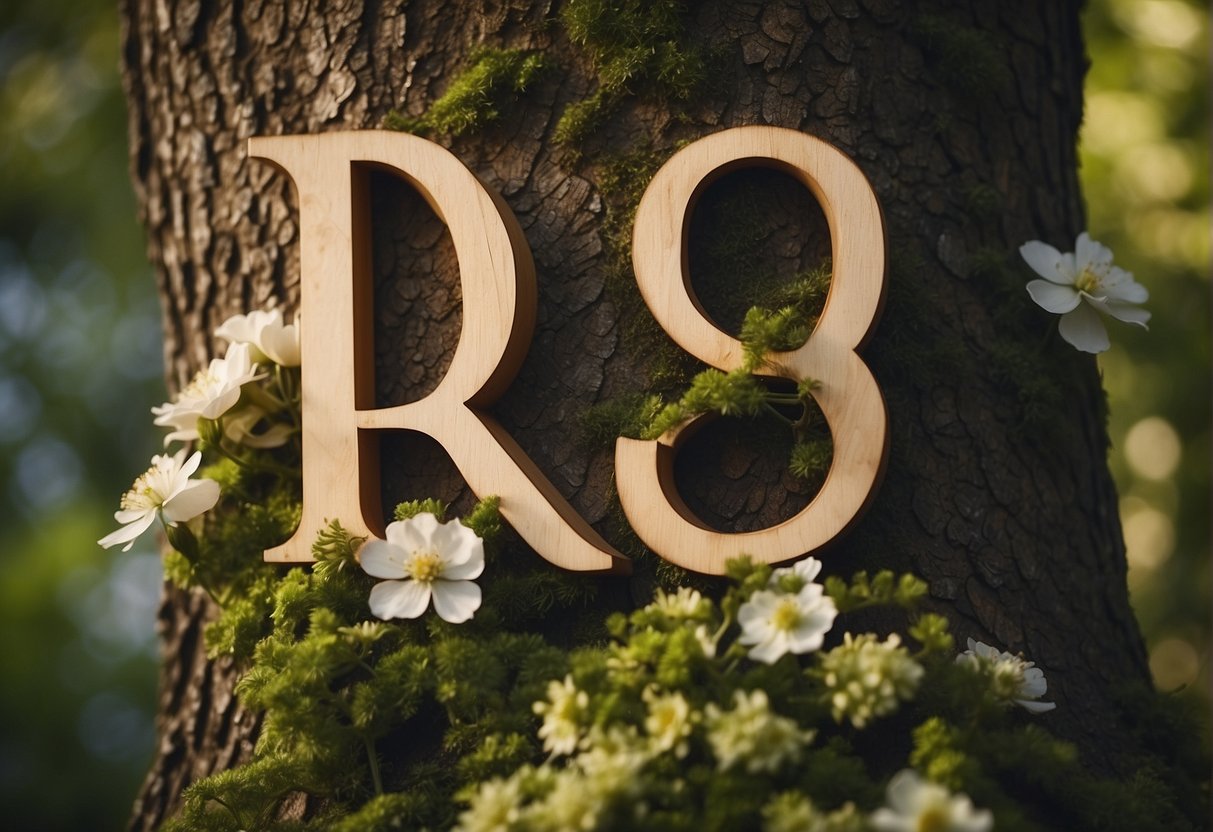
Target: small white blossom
pixel 774 622
pixel 425 559
pixel 682 604
pixel 494 806
pixel 668 722
pixel 212 393
pixel 794 812
pixel 865 678
pixel 752 735
pixel 266 332
pixel 561 729
pixel 1080 285
pixel 165 490
pixel 917 805
pixel 707 641
pixel 1012 678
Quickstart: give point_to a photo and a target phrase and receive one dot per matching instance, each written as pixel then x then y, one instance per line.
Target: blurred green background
pixel 80 365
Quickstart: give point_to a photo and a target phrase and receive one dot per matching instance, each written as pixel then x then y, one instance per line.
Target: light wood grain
pixel 847 392
pixel 340 423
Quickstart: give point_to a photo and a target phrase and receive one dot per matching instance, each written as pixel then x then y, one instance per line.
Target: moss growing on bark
pixel 635 48
pixel 477 95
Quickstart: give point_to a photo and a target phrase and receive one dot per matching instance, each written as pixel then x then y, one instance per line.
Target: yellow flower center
pixel 786 616
pixel 934 819
pixel 1087 282
pixel 141 496
pixel 425 566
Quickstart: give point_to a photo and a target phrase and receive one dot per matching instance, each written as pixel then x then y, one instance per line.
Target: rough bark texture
pixel 964 118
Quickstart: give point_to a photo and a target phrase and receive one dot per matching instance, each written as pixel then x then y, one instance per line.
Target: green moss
pixel 477 95
pixel 635 48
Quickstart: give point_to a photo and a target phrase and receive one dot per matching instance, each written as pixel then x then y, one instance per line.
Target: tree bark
pixel 964 118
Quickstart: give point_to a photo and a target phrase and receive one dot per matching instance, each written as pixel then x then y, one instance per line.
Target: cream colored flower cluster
pixel 866 678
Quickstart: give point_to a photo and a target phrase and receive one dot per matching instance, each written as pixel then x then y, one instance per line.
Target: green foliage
pixel 881 589
pixel 476 96
pixel 411 508
pixel 636 48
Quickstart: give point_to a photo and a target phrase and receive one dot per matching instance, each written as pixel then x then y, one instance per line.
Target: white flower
pixel 494 807
pixel 775 622
pixel 683 603
pixel 916 805
pixel 165 490
pixel 266 332
pixel 1013 680
pixel 865 678
pixel 751 734
pixel 561 712
pixel 212 393
pixel 424 559
pixel 669 721
pixel 1080 285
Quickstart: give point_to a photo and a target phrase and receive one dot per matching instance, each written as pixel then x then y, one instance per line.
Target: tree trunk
pixel 964 118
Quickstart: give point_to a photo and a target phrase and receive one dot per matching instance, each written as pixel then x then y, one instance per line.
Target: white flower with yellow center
pixel 425 559
pixel 669 721
pixel 774 622
pixel 1080 285
pixel 1013 679
pixel 270 337
pixel 752 735
pixel 917 805
pixel 165 490
pixel 561 729
pixel 212 393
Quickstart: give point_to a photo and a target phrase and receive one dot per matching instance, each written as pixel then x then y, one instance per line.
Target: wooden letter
pixel 848 395
pixel 340 461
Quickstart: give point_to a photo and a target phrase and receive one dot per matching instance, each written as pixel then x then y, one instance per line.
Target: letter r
pixel 340 452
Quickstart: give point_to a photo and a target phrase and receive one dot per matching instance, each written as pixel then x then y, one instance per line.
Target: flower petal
pixel 1089 254
pixel 1126 312
pixel 129 532
pixel 469 569
pixel 1035 707
pixel 1119 285
pixel 456 601
pixel 190 465
pixel 1084 329
pixel 197 497
pixel 458 544
pixel 381 559
pixel 1053 298
pixel 399 599
pixel 1047 262
pixel 415 533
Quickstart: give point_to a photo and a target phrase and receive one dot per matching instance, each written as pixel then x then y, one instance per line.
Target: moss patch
pixel 635 48
pixel 477 95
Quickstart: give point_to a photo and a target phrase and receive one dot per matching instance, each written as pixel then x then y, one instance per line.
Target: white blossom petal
pixel 456 601
pixel 415 533
pixel 1052 297
pixel 197 497
pixel 1047 262
pixel 129 532
pixel 381 559
pixel 399 599
pixel 1035 707
pixel 1123 312
pixel 1089 254
pixel 1084 329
